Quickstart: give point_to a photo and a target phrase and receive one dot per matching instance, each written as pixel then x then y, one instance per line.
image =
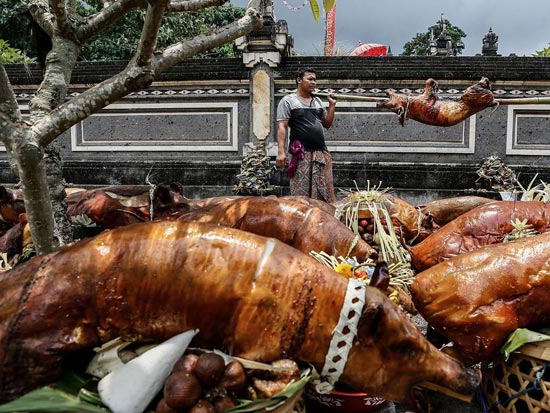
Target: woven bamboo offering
pixel 522 383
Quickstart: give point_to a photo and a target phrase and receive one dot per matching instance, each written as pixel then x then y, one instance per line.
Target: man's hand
pixel 281 160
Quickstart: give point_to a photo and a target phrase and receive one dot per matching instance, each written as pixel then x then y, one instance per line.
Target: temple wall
pixel 194 123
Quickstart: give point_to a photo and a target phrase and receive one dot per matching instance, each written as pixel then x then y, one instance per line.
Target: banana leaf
pixel 49 399
pixel 70 394
pixel 520 337
pixel 315 9
pixel 328 5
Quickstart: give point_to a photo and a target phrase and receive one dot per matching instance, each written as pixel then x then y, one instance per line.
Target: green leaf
pixel 328 5
pixel 520 337
pixel 315 9
pixel 48 399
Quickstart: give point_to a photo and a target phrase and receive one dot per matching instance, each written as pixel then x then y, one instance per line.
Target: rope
pixel 535 386
pixel 341 342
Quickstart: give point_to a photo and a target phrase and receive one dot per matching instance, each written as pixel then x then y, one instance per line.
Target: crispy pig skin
pixel 430 109
pixel 484 225
pixel 253 296
pixel 445 210
pixel 477 299
pixel 295 223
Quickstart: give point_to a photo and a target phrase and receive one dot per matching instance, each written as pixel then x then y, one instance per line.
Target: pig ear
pixel 369 322
pixel 380 277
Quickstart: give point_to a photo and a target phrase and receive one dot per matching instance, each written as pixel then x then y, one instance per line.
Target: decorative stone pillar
pixel 262 51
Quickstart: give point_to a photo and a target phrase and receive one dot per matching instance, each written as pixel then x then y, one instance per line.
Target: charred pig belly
pixel 253 296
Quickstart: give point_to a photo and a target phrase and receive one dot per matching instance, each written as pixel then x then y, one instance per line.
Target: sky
pixel 521 25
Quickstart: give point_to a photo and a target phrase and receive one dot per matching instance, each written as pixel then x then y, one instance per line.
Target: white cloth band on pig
pixel 342 337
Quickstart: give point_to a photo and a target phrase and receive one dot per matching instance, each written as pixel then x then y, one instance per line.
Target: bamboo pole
pixel 524 101
pixel 352 97
pixel 501 101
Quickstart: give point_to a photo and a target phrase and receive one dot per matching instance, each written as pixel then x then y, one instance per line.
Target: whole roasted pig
pixel 445 210
pixel 430 109
pixel 296 224
pixel 478 298
pixel 252 296
pixel 484 225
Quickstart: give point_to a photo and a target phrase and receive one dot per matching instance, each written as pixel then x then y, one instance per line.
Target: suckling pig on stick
pixel 484 225
pixel 478 298
pixel 253 296
pixel 430 109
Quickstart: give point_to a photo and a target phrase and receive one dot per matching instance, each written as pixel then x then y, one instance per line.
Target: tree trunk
pixel 30 164
pixel 52 92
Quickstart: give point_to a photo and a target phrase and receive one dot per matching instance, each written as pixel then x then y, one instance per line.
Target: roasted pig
pixel 478 298
pixel 484 225
pixel 296 224
pixel 430 109
pixel 252 296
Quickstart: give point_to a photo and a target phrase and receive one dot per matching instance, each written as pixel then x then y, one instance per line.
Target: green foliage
pixel 9 54
pixel 14 24
pixel 419 44
pixel 119 41
pixel 543 53
pixel 315 10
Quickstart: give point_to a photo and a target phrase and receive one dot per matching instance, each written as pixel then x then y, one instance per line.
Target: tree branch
pixel 106 17
pixel 8 102
pixel 193 5
pixel 150 32
pixel 40 13
pixel 178 52
pixel 135 78
pixel 91 101
pixel 63 24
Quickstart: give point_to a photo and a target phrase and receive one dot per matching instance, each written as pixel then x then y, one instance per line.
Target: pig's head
pixel 391 358
pixel 397 104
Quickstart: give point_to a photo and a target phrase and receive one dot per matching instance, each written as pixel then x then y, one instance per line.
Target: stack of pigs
pixel 240 271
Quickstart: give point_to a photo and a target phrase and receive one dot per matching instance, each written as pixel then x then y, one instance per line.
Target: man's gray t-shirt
pixel 304 121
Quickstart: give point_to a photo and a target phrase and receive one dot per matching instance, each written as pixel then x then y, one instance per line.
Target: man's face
pixel 308 82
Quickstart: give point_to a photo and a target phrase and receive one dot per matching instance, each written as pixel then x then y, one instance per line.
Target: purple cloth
pixel 297 150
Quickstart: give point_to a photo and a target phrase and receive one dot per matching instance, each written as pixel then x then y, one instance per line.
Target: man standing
pixel 310 169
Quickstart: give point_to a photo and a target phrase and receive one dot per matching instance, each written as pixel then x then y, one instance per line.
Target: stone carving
pixel 443 45
pixel 490 44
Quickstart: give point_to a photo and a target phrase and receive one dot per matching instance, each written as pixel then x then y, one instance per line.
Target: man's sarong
pixel 313 177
